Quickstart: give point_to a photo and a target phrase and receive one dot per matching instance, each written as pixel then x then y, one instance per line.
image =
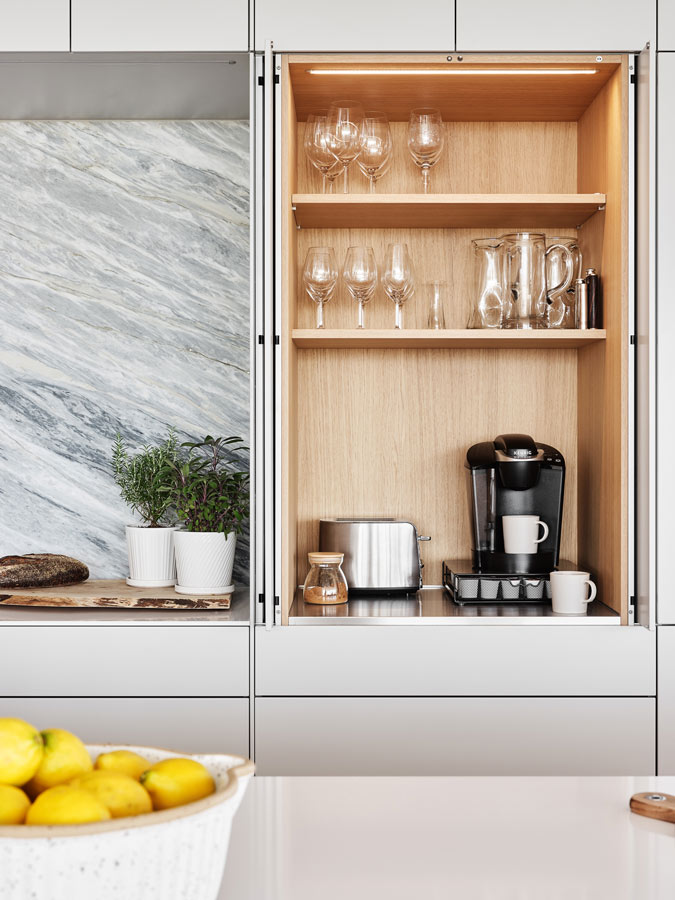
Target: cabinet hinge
pixel 276 339
pixel 633 78
pixel 261 598
pixel 261 80
pixel 261 338
pixel 631 611
pixel 632 339
pixel 277 79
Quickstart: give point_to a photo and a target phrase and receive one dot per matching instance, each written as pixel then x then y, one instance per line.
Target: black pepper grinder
pixel 594 300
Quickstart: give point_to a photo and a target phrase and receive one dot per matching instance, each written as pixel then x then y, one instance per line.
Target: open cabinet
pixel 378 421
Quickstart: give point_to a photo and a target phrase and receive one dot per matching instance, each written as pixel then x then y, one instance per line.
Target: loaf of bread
pixel 41 570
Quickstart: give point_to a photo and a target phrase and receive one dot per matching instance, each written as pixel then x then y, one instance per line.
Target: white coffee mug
pixel 521 533
pixel 568 593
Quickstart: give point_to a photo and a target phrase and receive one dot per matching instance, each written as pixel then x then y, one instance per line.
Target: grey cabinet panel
pixel 186 725
pixel 160 25
pixel 377 25
pixel 123 661
pixel 455 660
pixel 458 736
pixel 665 337
pixel 602 25
pixel 666 700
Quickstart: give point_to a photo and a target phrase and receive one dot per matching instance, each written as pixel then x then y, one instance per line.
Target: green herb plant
pixel 209 493
pixel 144 478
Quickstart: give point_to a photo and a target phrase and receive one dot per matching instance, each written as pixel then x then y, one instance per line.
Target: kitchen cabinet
pixel 451 736
pixel 124 661
pixel 35 25
pixel 666 334
pixel 450 660
pixel 160 25
pixel 666 700
pixel 532 142
pixel 521 25
pixel 303 25
pixel 666 20
pixel 187 725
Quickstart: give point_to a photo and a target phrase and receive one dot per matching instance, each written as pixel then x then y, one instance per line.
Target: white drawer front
pixel 452 661
pixel 122 661
pixel 666 700
pixel 197 725
pixel 454 736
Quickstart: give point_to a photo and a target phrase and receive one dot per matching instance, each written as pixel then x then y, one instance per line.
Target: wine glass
pixel 398 278
pixel 425 140
pixel 344 127
pixel 319 276
pixel 359 273
pixel 376 147
pixel 317 143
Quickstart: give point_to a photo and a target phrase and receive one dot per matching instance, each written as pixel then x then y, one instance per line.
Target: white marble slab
pixel 124 304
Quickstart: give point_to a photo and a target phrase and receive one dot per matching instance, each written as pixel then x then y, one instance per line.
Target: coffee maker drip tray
pixel 465 585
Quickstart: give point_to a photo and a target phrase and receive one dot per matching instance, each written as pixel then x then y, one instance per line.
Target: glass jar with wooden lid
pixel 325 582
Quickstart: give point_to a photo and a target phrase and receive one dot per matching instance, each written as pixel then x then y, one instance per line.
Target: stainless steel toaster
pixel 380 554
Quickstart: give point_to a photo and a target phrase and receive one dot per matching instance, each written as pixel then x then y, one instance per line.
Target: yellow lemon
pixel 20 751
pixel 175 781
pixel 119 793
pixel 65 757
pixel 13 805
pixel 66 805
pixel 123 761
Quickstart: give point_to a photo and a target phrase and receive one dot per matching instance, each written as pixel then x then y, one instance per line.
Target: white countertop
pixel 438 838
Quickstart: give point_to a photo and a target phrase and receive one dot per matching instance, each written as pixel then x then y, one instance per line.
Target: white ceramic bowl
pixel 172 854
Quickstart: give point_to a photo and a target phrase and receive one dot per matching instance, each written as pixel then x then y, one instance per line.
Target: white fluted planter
pixel 204 562
pixel 151 556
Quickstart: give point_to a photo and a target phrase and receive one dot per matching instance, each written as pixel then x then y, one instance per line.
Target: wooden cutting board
pixel 655 805
pixel 111 594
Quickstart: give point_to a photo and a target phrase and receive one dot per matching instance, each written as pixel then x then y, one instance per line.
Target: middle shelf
pixel 503 211
pixel 424 338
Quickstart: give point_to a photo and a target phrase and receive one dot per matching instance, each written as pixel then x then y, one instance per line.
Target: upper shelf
pixel 426 339
pixel 444 210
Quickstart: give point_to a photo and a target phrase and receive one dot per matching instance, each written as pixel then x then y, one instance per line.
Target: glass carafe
pixel 561 311
pixel 325 582
pixel 524 273
pixel 488 309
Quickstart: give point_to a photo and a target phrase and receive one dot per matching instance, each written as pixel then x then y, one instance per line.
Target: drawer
pixel 194 725
pixel 666 700
pixel 122 661
pixel 449 660
pixel 454 736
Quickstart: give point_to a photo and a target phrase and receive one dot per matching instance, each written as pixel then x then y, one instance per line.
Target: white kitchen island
pixel 439 838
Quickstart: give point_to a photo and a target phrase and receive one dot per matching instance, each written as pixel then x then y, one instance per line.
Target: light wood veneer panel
pixel 460 338
pixel 386 432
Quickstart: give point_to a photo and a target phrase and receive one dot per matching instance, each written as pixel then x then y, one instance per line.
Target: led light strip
pixel 451 71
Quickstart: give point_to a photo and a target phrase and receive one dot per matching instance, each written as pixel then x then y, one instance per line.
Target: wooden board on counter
pixel 110 594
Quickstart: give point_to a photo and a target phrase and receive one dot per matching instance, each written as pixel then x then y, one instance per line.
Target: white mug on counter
pixel 568 593
pixel 521 533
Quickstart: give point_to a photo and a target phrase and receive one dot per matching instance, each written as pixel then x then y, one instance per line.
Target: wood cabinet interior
pixel 380 430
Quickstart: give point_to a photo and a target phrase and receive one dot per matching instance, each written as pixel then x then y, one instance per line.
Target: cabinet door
pixel 666 700
pixel 376 25
pixel 454 736
pixel 523 25
pixel 169 25
pixel 35 25
pixel 666 337
pixel 666 25
pixel 194 725
pixel 124 661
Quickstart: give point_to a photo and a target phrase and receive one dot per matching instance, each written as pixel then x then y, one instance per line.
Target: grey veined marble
pixel 124 304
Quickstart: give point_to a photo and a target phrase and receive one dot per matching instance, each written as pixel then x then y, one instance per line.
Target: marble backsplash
pixel 124 305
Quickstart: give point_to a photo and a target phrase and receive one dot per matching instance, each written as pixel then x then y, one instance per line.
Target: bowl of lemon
pixel 104 822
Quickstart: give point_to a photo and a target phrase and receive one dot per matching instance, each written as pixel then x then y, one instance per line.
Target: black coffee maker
pixel 514 476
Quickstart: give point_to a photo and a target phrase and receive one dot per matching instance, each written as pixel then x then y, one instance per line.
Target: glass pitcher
pixel 524 257
pixel 488 310
pixel 561 311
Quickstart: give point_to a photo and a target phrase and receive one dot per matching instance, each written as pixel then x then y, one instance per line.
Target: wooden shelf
pixel 501 211
pixel 423 339
pixel 113 593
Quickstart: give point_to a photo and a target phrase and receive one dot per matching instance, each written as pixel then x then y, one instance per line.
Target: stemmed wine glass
pixel 376 147
pixel 425 139
pixel 344 128
pixel 317 143
pixel 319 276
pixel 398 278
pixel 359 273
